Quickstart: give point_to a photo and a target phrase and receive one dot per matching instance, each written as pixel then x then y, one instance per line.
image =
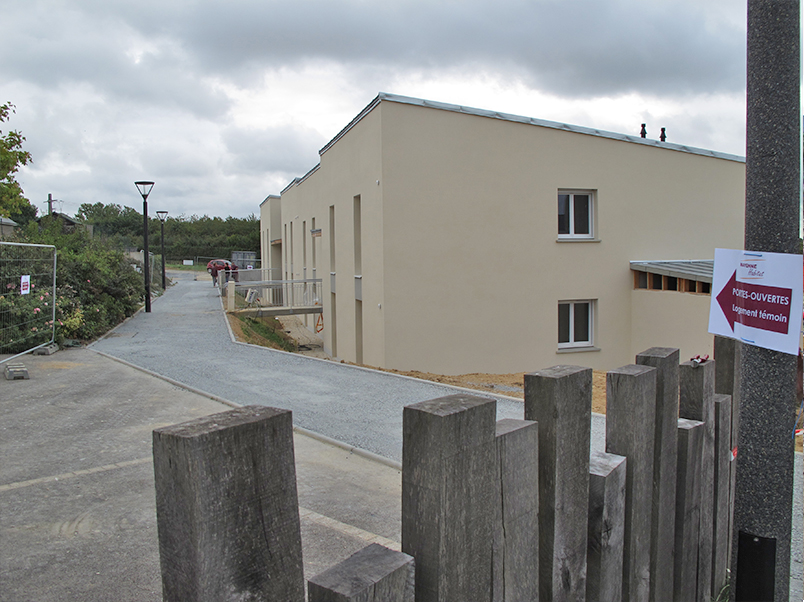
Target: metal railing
pixel 27 298
pixel 279 293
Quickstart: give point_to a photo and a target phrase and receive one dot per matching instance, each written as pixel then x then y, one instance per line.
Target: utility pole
pixel 764 489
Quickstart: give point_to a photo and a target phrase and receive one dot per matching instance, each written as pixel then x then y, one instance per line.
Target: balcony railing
pixel 278 296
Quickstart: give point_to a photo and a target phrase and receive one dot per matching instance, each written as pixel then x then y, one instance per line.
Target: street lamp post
pixel 162 216
pixel 145 190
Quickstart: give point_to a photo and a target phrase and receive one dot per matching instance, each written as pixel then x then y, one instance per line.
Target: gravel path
pixel 185 338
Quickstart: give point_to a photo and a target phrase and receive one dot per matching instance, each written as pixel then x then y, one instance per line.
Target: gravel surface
pixel 185 338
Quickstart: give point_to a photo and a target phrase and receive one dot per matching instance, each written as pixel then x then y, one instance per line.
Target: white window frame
pixel 571 209
pixel 573 343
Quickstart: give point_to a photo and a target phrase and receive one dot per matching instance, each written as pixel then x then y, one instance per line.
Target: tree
pixel 12 201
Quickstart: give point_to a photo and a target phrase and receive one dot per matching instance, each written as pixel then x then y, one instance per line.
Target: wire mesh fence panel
pixel 27 297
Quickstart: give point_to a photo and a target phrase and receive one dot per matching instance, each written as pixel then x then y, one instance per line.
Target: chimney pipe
pixel 644 132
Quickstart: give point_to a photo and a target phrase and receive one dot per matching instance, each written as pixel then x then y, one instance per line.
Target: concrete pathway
pixel 77 500
pixel 185 337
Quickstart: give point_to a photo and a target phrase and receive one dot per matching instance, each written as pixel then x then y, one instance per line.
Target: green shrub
pixel 97 288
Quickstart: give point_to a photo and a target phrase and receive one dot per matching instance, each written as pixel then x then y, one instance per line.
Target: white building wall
pixel 462 268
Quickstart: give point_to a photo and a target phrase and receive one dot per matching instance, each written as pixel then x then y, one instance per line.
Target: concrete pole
pixel 764 488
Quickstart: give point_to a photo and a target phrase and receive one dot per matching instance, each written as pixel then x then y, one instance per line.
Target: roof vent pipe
pixel 663 136
pixel 644 132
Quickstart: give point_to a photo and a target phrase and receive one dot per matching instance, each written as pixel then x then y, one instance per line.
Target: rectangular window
pixel 575 324
pixel 575 214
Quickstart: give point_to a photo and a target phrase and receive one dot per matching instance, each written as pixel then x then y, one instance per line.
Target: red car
pixel 216 265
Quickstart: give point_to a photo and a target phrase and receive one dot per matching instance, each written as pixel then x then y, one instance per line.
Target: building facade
pixel 455 240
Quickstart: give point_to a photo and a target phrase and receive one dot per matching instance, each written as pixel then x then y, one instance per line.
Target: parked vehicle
pixel 216 265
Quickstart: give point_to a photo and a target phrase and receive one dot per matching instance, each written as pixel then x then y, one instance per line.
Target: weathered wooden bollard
pixel 373 574
pixel 560 400
pixel 604 559
pixel 663 520
pixel 516 529
pixel 630 427
pixel 697 402
pixel 688 510
pixel 448 493
pixel 227 508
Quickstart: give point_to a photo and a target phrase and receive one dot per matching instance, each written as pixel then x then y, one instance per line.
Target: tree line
pixel 185 237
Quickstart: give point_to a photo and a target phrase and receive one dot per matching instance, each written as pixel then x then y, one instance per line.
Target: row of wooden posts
pixel 508 511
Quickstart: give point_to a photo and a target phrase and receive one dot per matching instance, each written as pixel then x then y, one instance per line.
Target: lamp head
pixel 144 188
pixel 162 215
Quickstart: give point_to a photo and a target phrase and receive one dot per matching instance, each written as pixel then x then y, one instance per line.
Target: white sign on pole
pixel 757 298
pixel 25 285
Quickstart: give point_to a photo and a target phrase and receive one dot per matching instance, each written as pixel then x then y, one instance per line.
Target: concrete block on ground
pixel 516 529
pixel 721 544
pixel 697 402
pixel 688 510
pixel 604 568
pixel 227 508
pixel 47 349
pixel 663 515
pixel 16 372
pixel 560 400
pixel 630 424
pixel 373 574
pixel 448 496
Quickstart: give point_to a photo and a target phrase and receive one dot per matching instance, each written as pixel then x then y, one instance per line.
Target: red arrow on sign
pixel 755 305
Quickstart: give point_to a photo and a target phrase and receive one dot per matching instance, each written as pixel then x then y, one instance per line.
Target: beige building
pixel 455 240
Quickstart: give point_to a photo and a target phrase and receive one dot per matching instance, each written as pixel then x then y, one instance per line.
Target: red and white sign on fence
pixel 757 298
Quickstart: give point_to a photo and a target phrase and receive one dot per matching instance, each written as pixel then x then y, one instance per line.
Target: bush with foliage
pixel 96 286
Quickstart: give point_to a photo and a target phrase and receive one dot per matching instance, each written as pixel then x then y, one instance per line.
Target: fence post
pixel 448 470
pixel 373 574
pixel 688 510
pixel 721 544
pixel 728 373
pixel 630 424
pixel 230 296
pixel 663 519
pixel 604 570
pixel 697 402
pixel 516 528
pixel 227 508
pixel 560 400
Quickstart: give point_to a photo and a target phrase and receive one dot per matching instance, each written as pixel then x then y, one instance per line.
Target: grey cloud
pixel 578 48
pixel 283 150
pixel 59 45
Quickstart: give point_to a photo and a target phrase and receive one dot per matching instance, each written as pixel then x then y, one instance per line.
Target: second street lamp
pixel 145 190
pixel 162 216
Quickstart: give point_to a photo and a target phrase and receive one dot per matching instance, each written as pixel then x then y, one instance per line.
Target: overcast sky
pixel 223 103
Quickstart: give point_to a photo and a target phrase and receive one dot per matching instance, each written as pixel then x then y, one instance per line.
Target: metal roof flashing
pixel 692 269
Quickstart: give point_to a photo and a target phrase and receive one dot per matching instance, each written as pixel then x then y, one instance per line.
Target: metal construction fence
pixel 27 298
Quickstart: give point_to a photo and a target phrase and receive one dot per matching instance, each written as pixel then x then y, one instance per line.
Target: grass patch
pixel 265 331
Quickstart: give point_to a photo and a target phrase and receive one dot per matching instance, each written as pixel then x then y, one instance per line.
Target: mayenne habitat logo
pixel 751 269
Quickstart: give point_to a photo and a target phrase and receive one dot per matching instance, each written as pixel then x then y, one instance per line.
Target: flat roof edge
pixel 557 126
